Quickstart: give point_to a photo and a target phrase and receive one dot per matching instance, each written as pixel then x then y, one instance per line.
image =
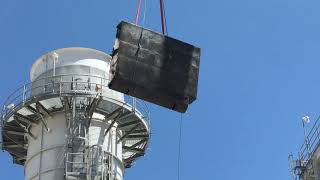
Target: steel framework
pixel 79 99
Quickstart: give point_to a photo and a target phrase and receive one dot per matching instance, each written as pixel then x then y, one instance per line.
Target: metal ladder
pixel 81 161
pixel 76 156
pixel 100 164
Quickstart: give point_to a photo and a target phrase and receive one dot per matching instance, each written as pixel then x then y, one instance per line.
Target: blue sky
pixel 259 76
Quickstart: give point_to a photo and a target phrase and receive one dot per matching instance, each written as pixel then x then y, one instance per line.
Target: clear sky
pixel 259 76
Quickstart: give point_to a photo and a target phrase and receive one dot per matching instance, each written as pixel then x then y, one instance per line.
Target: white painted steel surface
pixel 46 151
pixel 45 157
pixel 70 56
pixel 47 98
pixel 78 61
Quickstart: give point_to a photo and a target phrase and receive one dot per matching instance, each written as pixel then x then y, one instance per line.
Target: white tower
pixel 67 123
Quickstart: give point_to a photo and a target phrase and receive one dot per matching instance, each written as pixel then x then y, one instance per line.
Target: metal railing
pixel 100 164
pixel 57 83
pixel 310 144
pixel 72 166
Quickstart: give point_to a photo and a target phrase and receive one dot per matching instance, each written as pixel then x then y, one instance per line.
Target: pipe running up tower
pixel 67 123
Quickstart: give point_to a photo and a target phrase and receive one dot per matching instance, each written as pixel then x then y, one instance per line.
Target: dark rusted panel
pixel 154 67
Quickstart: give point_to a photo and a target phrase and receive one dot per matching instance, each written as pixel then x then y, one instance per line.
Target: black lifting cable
pixel 165 32
pixel 165 17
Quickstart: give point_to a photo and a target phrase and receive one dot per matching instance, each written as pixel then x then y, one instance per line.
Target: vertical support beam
pixel 55 59
pixel 41 153
pixel 24 95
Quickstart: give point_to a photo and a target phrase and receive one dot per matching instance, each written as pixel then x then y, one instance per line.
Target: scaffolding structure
pixel 71 125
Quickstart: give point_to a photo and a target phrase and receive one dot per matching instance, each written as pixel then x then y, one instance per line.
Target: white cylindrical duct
pixel 73 64
pixel 52 155
pixel 46 152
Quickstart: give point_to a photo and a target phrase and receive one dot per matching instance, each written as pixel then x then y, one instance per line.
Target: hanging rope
pixel 179 148
pixel 162 16
pixel 138 12
pixel 164 28
pixel 144 13
pixel 165 17
pixel 143 24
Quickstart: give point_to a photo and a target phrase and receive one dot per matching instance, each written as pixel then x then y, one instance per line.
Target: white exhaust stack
pixel 67 123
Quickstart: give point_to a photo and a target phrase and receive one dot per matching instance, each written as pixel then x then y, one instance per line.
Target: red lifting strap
pixel 138 12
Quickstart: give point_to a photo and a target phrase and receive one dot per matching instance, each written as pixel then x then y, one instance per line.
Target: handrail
pixel 310 143
pixel 23 93
pixel 58 76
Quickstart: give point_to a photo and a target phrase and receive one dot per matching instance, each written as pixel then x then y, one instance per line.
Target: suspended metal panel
pixel 155 68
